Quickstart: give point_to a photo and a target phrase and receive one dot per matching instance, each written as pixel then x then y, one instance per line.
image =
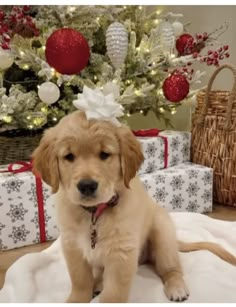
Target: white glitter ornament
pixel 178 28
pixel 49 92
pixel 167 36
pixel 117 44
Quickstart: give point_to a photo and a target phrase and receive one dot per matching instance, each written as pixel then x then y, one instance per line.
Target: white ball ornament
pixel 6 59
pixel 49 92
pixel 117 44
pixel 178 28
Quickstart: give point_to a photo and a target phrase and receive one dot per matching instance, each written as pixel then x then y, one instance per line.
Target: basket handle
pixel 230 101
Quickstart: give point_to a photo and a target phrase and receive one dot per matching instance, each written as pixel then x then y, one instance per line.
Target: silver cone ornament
pixel 117 44
pixel 167 36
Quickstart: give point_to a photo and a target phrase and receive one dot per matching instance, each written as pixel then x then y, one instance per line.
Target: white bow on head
pixel 99 104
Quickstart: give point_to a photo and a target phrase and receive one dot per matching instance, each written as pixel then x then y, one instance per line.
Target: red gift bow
pixel 147 132
pixel 25 167
pixel 154 132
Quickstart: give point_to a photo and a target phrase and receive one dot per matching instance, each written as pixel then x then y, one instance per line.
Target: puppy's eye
pixel 104 155
pixel 69 157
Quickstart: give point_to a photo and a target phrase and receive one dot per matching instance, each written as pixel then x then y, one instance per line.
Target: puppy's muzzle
pixel 87 187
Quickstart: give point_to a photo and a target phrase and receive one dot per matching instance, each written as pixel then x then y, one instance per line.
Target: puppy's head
pixel 90 160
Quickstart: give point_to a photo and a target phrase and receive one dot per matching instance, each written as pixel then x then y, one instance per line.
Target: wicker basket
pixel 17 147
pixel 214 137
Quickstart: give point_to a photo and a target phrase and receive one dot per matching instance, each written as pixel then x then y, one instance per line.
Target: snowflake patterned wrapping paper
pixel 185 187
pixel 19 213
pixel 178 150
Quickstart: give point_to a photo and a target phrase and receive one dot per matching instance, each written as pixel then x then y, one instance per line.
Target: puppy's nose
pixel 87 187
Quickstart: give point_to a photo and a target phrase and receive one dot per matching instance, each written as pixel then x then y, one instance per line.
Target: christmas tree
pixel 49 53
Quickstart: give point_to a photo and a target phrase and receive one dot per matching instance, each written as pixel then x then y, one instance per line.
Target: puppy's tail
pixel 211 247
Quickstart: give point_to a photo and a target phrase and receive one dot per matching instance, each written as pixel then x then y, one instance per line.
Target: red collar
pixel 98 210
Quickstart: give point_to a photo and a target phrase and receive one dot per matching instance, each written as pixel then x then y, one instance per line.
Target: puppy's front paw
pixel 79 298
pixel 176 290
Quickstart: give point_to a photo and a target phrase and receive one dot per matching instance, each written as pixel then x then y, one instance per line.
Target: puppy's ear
pixel 131 154
pixel 45 160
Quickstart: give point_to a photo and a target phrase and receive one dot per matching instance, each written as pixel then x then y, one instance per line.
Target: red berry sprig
pixel 198 42
pixel 16 22
pixel 214 57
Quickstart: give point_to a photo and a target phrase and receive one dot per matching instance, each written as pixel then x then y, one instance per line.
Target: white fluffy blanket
pixel 42 277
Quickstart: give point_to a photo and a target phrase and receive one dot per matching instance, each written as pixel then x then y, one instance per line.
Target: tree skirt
pixel 42 277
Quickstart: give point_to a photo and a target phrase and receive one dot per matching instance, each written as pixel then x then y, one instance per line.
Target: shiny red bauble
pixel 184 44
pixel 67 51
pixel 175 87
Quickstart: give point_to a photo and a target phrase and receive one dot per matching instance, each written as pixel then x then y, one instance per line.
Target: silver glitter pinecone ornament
pixel 117 44
pixel 167 36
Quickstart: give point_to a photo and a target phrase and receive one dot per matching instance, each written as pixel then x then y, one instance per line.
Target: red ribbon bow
pixel 154 132
pixel 147 132
pixel 25 167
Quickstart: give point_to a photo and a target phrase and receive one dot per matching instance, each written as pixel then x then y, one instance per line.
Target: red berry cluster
pixel 198 43
pixel 16 22
pixel 213 57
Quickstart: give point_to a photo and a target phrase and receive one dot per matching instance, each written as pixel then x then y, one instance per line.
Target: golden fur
pixel 123 231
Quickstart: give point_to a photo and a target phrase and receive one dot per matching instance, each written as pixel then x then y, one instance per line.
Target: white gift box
pixel 185 187
pixel 20 222
pixel 170 146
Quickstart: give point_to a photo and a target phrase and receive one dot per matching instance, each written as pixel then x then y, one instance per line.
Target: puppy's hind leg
pixel 164 254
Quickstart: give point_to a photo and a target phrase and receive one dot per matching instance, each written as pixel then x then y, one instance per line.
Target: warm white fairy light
pixel 44 109
pixel 54 119
pixel 44 48
pixel 28 117
pixel 141 111
pixel 128 114
pixel 26 67
pixel 156 21
pixel 173 111
pixel 22 53
pixel 140 7
pixel 98 19
pixel 138 49
pixel 71 9
pixel 53 71
pixel 95 78
pixel 161 109
pixel 7 119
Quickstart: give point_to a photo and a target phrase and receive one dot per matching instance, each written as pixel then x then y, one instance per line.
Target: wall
pixel 202 19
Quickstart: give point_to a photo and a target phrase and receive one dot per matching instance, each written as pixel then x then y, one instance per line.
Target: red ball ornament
pixel 184 44
pixel 175 87
pixel 67 51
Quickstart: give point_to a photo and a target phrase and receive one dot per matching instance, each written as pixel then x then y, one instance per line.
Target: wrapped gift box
pixel 22 220
pixel 167 149
pixel 185 187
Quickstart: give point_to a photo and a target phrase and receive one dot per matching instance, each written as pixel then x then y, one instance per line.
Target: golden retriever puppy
pixel 105 216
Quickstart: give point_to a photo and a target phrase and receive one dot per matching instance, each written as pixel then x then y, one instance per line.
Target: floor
pixel 9 257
